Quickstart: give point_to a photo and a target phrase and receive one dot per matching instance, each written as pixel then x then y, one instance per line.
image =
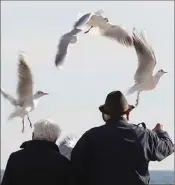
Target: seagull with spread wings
pixel 26 101
pixel 97 20
pixel 144 78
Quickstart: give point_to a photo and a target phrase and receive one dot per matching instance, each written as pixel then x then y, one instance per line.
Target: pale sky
pixel 94 66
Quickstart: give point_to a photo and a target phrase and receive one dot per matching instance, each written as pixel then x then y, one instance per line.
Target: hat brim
pixel 103 110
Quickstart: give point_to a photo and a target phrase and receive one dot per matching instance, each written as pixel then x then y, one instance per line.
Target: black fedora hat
pixel 116 104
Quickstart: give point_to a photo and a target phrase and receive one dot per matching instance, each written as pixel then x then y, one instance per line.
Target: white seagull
pixel 144 78
pixel 66 146
pixel 26 101
pixel 115 32
pixel 70 38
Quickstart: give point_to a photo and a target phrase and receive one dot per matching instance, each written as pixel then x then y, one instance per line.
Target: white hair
pixel 47 130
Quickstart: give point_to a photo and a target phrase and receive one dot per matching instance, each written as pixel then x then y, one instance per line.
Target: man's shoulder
pixel 141 127
pixel 94 129
pixel 16 155
pixel 141 130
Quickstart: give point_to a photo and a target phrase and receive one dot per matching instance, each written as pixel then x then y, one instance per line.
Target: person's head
pixel 46 130
pixel 115 106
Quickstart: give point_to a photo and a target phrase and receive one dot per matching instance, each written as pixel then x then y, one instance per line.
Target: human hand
pixel 158 127
pixel 128 112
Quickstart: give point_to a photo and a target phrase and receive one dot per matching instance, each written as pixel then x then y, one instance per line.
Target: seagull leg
pixel 88 30
pixel 23 125
pixel 29 121
pixel 137 100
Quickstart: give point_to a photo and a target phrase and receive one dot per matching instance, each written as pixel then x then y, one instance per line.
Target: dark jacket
pixel 118 153
pixel 38 163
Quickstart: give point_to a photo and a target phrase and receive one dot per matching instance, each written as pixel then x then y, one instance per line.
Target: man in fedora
pixel 118 153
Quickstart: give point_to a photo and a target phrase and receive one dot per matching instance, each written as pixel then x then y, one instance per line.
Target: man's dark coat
pixel 118 153
pixel 38 163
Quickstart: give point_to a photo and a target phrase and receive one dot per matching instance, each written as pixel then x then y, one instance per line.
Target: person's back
pixel 118 153
pixel 39 162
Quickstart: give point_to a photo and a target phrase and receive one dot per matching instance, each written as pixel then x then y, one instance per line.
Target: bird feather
pixel 63 46
pixel 118 33
pixel 146 58
pixel 25 83
pixel 11 99
pixel 65 146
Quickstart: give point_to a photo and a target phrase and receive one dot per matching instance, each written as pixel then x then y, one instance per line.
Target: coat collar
pixel 117 121
pixel 40 143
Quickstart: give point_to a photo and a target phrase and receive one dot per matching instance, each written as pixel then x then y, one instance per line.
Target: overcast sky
pixel 94 66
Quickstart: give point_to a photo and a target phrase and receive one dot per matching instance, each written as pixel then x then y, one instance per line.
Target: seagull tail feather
pixel 18 112
pixel 12 115
pixel 132 89
pixel 12 100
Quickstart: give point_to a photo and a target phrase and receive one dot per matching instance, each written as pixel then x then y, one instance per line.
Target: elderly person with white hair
pixel 39 162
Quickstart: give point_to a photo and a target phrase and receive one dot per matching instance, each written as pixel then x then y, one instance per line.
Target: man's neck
pixel 116 119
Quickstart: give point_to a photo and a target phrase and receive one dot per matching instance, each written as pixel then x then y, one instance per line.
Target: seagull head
pixel 161 72
pixel 39 94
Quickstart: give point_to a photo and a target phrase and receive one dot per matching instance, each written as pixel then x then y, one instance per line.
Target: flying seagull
pixel 106 29
pixel 26 101
pixel 66 146
pixel 144 78
pixel 70 38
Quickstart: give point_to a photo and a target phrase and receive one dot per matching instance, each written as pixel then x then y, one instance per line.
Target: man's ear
pixel 103 116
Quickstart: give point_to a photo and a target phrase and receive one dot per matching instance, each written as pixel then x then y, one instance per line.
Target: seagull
pixel 66 146
pixel 26 101
pixel 106 29
pixel 144 78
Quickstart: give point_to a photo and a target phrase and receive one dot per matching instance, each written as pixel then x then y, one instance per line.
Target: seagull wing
pixel 118 33
pixel 62 49
pixel 65 148
pixel 12 100
pixel 146 58
pixel 63 45
pixel 25 83
pixel 143 35
pixel 82 20
pixel 99 12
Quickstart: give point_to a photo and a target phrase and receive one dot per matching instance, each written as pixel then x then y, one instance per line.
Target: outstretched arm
pixel 162 145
